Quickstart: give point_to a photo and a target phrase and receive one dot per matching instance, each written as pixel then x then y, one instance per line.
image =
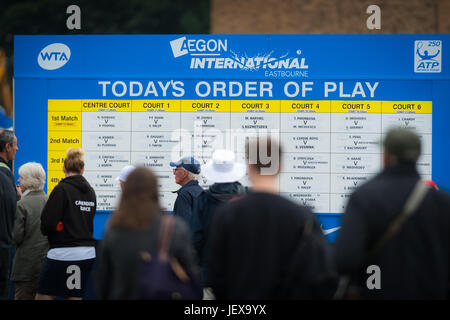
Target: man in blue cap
pixel 186 174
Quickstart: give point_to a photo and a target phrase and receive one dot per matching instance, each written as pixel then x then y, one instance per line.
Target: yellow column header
pixel 155 105
pixel 407 106
pixel 205 106
pixel 339 106
pixel 106 105
pixel 255 106
pixel 322 106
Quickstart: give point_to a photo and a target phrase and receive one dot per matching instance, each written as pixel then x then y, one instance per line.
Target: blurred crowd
pixel 226 242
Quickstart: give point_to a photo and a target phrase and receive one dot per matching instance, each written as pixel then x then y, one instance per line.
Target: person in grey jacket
pixel 31 245
pixel 133 230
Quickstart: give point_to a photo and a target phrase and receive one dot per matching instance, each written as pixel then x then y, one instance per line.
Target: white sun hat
pixel 223 168
pixel 125 172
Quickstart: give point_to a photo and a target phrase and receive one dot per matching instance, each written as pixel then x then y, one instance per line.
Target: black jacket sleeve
pixel 103 275
pixel 197 227
pixel 215 255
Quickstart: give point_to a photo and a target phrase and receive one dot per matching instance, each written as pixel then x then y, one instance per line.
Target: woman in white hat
pixel 224 171
pixel 124 173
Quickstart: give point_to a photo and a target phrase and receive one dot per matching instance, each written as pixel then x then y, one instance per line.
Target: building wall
pixel 328 16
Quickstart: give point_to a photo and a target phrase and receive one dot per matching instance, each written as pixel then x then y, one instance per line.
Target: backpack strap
pixel 308 229
pixel 411 205
pixel 4 165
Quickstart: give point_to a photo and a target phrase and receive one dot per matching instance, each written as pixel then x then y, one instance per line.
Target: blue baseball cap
pixel 188 163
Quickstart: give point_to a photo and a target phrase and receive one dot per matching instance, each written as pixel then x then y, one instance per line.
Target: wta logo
pixel 53 56
pixel 216 54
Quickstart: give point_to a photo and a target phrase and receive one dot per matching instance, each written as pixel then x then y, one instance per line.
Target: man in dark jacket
pixel 8 149
pixel 8 199
pixel 186 175
pixel 7 214
pixel 253 240
pixel 414 264
pixel 225 172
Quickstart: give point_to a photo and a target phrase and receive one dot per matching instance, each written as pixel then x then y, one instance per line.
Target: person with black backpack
pixel 146 254
pixel 394 241
pixel 225 172
pixel 264 246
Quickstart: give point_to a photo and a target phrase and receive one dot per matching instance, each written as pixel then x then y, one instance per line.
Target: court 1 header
pixel 287 57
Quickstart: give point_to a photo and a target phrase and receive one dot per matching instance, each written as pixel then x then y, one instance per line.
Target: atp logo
pixel 53 56
pixel 427 56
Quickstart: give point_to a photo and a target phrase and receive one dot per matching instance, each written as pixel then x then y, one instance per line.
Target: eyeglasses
pixel 175 170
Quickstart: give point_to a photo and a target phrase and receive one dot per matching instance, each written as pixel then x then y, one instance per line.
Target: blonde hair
pixel 33 176
pixel 74 160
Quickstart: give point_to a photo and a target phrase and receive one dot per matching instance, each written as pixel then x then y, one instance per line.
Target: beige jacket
pixel 31 245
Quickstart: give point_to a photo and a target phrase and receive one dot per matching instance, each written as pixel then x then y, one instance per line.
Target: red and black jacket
pixel 68 216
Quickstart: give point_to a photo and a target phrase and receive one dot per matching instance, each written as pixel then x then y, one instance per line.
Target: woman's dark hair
pixel 139 203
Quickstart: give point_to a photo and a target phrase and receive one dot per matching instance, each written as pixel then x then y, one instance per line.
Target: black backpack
pixel 311 273
pixel 161 276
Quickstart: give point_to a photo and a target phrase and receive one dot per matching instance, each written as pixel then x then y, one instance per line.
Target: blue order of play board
pixel 231 67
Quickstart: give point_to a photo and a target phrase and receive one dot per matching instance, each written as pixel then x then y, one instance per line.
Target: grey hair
pixel 6 137
pixel 192 176
pixel 33 176
pixel 403 144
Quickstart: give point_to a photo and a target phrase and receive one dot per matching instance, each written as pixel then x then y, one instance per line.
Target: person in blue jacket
pixel 186 174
